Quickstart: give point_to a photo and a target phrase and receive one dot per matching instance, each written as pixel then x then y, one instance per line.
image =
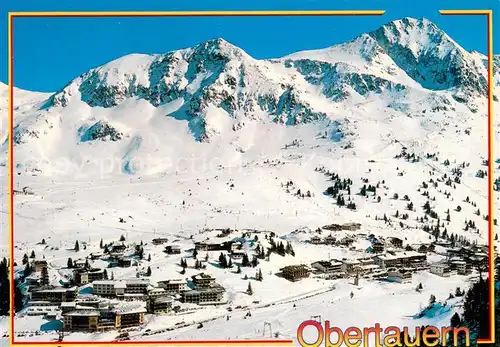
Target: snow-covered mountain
pixel 409 65
pixel 388 130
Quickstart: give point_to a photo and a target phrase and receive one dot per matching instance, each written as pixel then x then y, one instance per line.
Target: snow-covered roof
pixel 441 265
pixel 370 266
pixel 173 280
pixel 104 282
pixel 120 285
pixel 55 290
pixel 129 308
pixel 350 261
pixel 400 255
pixel 140 281
pixel 163 299
pixel 83 313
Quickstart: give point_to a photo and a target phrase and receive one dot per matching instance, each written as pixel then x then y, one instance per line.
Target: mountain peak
pixel 219 46
pixel 418 35
pixel 428 55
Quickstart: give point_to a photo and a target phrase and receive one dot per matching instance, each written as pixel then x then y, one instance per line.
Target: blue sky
pixel 49 52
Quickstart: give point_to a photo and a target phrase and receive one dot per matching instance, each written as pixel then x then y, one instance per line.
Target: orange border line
pixel 13 15
pixel 491 242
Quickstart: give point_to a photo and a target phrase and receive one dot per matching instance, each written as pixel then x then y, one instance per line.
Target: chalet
pixel 68 306
pixel 295 272
pixel 39 265
pixel 173 249
pixel 81 264
pixel 160 305
pixel 213 246
pixel 443 243
pixel 124 262
pixel 137 286
pixel 327 267
pixel 173 286
pixel 440 269
pixel 330 240
pixel 80 303
pixel 203 296
pixel 351 226
pixel 377 247
pixel 408 259
pixel 399 276
pixel 160 241
pixel 332 227
pixel 396 242
pixel 203 281
pixel 366 266
pixel 43 310
pixel 83 276
pixel 90 320
pixel 350 266
pixel 316 240
pixel 461 267
pixel 54 294
pixel 110 288
pixel 118 248
pixel 346 241
pixel 236 246
pixel 237 254
pixel 94 256
pixel 104 288
pixel 156 292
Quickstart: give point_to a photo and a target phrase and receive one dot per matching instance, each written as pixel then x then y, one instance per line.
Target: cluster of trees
pixel 351 205
pixel 224 263
pixel 429 211
pixel 139 252
pixel 366 189
pixel 412 158
pixel 258 275
pixel 469 224
pixel 5 291
pixel 476 312
pixel 280 248
pixel 198 264
pixel 481 174
pixel 340 184
pixel 260 252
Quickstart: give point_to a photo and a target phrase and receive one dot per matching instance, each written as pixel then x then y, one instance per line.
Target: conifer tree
pixel 245 262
